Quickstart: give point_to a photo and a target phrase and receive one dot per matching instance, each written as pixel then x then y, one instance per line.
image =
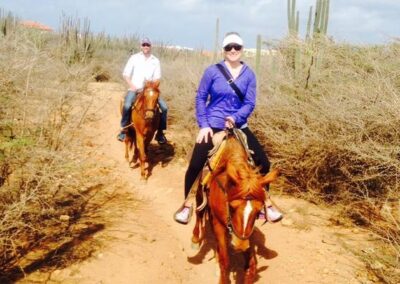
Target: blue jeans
pixel 126 110
pixel 164 111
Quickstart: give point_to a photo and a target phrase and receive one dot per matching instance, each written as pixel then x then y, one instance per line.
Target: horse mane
pixel 245 178
pixel 152 85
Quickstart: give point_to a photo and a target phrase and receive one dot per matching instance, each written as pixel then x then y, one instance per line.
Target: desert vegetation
pixel 329 122
pixel 51 190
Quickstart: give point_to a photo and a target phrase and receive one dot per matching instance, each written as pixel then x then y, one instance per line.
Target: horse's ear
pixel 156 84
pixel 270 177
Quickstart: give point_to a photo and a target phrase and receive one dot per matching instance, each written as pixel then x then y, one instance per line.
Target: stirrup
pixel 185 222
pixel 121 136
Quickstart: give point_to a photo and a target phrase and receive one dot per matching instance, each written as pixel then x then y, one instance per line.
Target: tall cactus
pixel 293 24
pixel 8 22
pixel 258 55
pixel 308 35
pixel 293 18
pixel 216 46
pixel 321 17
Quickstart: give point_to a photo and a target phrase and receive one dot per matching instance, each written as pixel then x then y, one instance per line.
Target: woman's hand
pixel 229 122
pixel 203 134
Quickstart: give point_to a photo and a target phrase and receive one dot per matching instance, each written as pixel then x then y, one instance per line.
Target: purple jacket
pixel 216 99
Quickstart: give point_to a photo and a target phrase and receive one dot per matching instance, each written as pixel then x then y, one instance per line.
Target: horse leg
pixel 196 242
pixel 142 155
pixel 250 266
pixel 222 251
pixel 147 142
pixel 135 152
pixel 199 227
pixel 134 146
pixel 127 146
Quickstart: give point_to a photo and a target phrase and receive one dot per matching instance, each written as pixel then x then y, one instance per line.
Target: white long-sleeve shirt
pixel 141 69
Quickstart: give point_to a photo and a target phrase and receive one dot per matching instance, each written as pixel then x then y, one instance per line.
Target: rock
pixel 83 189
pixel 38 277
pixel 377 265
pixel 64 218
pixel 55 275
pixel 287 222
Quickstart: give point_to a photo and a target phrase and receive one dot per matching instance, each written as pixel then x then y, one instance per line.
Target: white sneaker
pixel 273 215
pixel 184 215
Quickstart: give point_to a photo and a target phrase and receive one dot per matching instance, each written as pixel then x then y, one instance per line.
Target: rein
pixel 229 224
pixel 143 111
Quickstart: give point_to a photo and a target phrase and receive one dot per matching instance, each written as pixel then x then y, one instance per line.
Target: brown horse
pixel 235 196
pixel 145 119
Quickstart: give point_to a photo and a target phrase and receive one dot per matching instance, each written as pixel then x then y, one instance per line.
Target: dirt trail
pixel 145 245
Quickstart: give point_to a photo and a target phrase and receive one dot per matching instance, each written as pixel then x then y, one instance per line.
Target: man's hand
pixel 229 122
pixel 132 88
pixel 203 134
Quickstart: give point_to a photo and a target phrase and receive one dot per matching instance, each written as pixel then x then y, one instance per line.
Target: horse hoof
pixel 195 246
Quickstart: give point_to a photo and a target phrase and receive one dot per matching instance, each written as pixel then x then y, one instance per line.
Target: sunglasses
pixel 229 47
pixel 145 44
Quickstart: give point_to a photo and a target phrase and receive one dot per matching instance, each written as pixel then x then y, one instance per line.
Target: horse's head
pixel 246 200
pixel 150 98
pixel 244 188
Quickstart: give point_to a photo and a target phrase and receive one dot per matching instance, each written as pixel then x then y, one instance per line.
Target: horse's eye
pixel 235 204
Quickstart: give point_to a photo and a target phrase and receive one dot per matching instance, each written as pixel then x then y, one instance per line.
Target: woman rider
pixel 218 106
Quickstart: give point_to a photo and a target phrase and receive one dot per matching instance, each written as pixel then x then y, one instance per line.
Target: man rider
pixel 141 67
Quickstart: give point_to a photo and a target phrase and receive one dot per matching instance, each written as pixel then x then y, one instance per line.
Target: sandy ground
pixel 144 245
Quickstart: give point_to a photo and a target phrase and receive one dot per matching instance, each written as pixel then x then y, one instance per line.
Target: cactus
pixel 321 17
pixel 78 40
pixel 216 47
pixel 8 22
pixel 308 35
pixel 258 55
pixel 326 18
pixel 293 18
pixel 293 24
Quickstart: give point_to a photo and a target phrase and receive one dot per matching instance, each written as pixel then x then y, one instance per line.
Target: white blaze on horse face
pixel 246 215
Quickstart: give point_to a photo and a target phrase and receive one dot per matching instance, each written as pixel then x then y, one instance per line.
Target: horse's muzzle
pixel 238 244
pixel 149 114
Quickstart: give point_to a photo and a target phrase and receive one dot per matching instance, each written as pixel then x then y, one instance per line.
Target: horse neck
pixel 234 160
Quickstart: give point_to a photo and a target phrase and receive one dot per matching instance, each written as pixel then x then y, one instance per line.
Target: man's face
pixel 146 48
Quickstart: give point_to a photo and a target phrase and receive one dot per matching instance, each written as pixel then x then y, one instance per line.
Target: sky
pixel 191 23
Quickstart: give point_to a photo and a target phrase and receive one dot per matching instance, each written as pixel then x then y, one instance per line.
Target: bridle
pixel 145 110
pixel 229 225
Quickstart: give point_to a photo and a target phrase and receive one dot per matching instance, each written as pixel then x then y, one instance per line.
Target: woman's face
pixel 233 52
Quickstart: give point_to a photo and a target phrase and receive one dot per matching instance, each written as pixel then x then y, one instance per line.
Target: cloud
pixel 183 5
pixel 192 22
